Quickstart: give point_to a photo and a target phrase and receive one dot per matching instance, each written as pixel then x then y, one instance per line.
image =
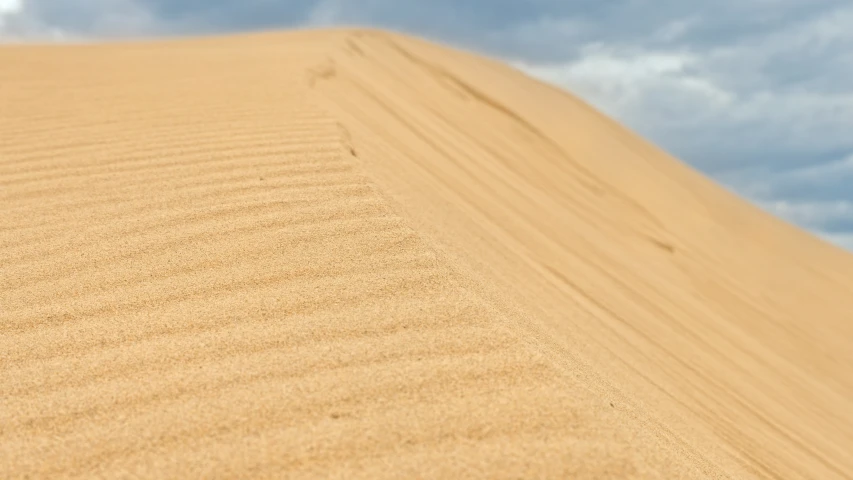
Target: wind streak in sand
pixel 352 253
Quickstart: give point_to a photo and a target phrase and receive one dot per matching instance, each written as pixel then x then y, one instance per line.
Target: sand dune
pixel 350 253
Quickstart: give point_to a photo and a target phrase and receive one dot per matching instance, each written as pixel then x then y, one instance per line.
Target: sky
pixel 758 94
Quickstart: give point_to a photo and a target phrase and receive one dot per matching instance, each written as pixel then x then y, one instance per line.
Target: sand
pixel 356 254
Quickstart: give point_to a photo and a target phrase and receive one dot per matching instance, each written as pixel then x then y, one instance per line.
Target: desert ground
pixel 350 253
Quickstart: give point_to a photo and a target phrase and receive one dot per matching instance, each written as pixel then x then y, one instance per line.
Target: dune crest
pixel 351 253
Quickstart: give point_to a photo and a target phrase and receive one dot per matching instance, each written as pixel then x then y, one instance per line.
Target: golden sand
pixel 355 254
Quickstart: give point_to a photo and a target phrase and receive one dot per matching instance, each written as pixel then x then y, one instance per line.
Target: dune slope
pixel 357 254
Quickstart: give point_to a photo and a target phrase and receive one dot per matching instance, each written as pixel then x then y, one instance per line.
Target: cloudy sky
pixel 756 93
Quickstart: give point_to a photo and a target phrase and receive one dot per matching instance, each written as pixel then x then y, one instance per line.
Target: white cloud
pixel 675 30
pixel 624 81
pixel 326 13
pixel 843 240
pixel 814 213
pixel 7 8
pixel 823 171
pixel 10 6
pixel 80 20
pixel 544 33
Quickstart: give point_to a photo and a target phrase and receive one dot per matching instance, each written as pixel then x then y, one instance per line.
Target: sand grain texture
pixel 350 253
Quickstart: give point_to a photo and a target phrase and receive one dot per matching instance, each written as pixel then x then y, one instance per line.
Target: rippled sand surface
pixel 355 254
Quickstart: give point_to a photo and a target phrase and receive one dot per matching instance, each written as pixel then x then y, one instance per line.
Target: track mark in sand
pixel 346 139
pixel 590 180
pixel 666 246
pixel 324 71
